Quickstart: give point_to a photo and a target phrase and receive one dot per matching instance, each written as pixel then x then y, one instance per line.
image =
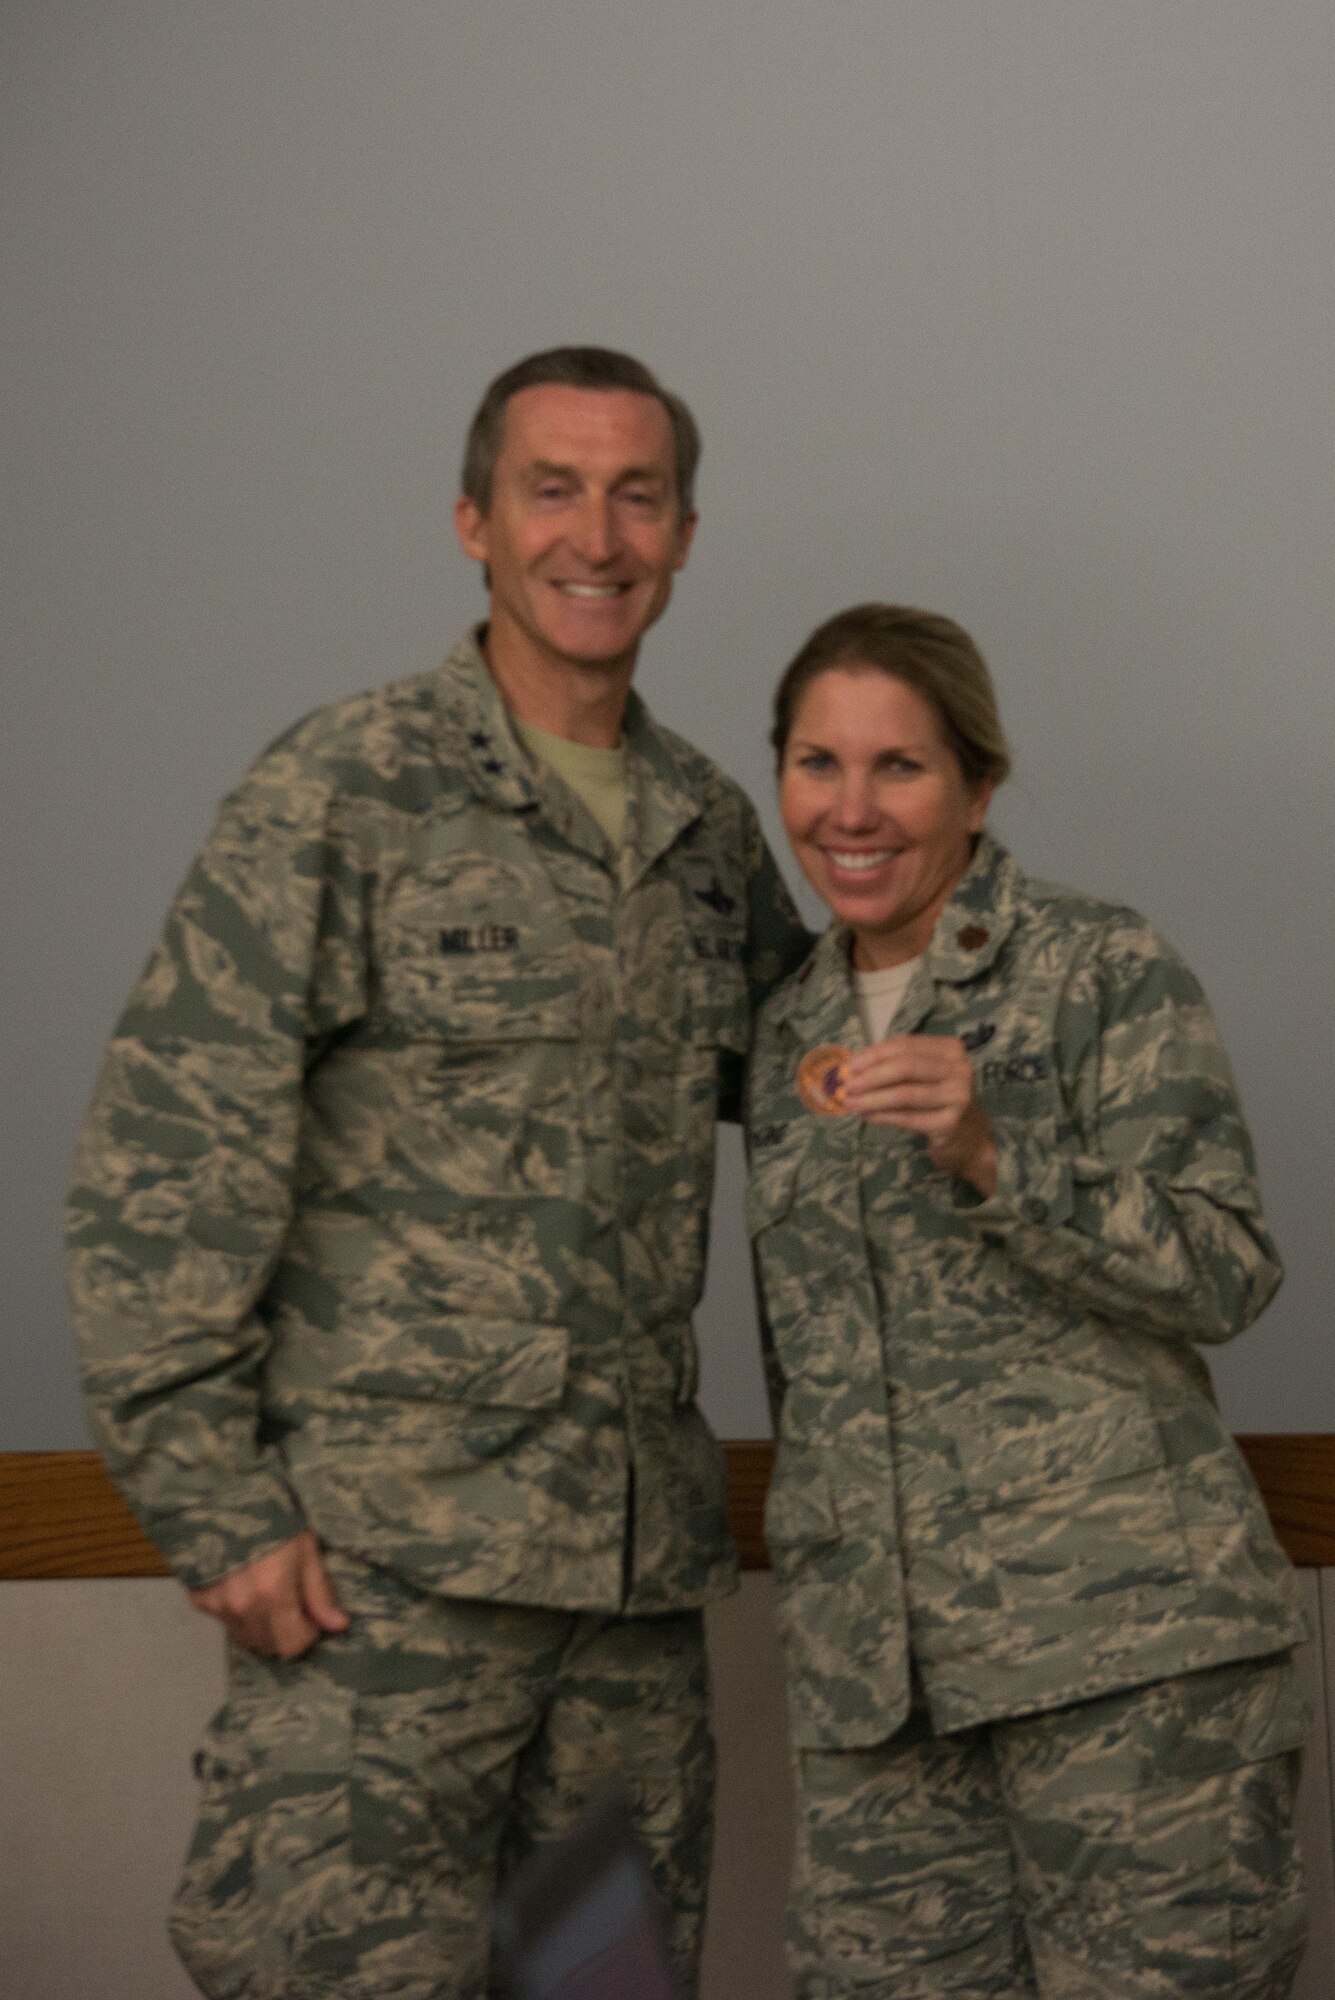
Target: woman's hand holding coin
pixel 926 1084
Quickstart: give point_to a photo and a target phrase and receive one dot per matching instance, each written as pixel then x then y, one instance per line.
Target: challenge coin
pixel 821 1076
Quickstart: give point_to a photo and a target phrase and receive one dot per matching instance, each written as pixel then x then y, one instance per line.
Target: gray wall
pixel 1016 308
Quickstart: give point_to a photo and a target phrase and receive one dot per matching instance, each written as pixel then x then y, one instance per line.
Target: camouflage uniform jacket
pixel 390 1211
pixel 999 1455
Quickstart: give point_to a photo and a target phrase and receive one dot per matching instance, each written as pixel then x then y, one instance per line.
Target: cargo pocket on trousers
pixel 1268 1898
pixel 266 1885
pixel 394 1805
pixel 1155 1831
pixel 432 1773
pixel 1266 1719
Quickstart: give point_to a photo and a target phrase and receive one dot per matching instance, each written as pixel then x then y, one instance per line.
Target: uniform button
pixel 973 937
pixel 1035 1209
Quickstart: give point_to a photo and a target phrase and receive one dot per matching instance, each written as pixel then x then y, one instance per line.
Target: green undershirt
pixel 596 777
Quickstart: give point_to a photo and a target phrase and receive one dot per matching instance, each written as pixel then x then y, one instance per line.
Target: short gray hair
pixel 574 368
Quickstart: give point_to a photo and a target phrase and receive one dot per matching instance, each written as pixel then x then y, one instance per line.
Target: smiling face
pixel 876 807
pixel 583 533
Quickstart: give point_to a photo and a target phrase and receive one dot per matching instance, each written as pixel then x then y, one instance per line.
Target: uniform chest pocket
pixel 486 1088
pixel 472 948
pixel 486 992
pixel 1017 1078
pixel 518 999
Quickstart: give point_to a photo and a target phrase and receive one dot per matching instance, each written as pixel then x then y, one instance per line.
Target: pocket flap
pixel 1028 1441
pixel 516 1364
pixel 533 998
pixel 305 1729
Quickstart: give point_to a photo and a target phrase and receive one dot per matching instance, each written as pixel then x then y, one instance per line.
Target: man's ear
pixel 685 536
pixel 470 525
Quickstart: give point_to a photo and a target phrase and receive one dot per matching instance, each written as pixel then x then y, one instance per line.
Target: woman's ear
pixel 979 802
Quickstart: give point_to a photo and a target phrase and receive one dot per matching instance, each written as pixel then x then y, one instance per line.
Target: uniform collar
pixel 476 727
pixel 979 917
pixel 476 730
pixel 663 802
pixel 970 931
pixel 821 1006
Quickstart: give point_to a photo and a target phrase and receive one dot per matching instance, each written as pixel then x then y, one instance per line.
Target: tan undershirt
pixel 596 777
pixel 879 994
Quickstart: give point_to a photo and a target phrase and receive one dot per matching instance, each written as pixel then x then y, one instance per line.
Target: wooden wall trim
pixel 1296 1474
pixel 750 1461
pixel 60 1515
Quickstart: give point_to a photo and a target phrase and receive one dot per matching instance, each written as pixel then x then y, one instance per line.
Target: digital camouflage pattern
pixel 390 1211
pixel 360 1804
pixel 998 1451
pixel 1137 1847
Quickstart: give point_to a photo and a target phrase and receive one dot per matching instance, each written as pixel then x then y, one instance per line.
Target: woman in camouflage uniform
pixel 1037 1628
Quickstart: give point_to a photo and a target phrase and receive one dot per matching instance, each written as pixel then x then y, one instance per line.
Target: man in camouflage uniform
pixel 1035 1620
pixel 388 1222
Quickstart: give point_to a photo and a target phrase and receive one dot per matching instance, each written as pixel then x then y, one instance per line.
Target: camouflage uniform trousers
pixel 1138 1845
pixel 360 1805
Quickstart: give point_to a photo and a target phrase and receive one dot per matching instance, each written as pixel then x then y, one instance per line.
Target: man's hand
pixel 281 1603
pixel 926 1084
